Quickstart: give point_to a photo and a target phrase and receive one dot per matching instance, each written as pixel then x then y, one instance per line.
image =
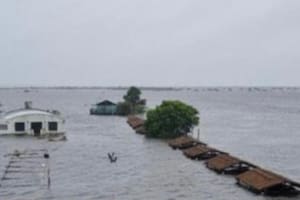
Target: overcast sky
pixel 149 42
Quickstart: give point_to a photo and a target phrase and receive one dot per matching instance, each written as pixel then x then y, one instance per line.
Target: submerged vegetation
pixel 132 104
pixel 171 119
pixel 133 95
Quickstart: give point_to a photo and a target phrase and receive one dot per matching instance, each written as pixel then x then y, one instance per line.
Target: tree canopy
pixel 132 104
pixel 171 119
pixel 133 95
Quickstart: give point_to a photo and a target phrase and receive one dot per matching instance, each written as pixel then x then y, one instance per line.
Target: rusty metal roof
pixel 183 141
pixel 222 162
pixel 260 179
pixel 135 121
pixel 198 150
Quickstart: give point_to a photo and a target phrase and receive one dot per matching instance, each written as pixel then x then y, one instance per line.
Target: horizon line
pixel 145 87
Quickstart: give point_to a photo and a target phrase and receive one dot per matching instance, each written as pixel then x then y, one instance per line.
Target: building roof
pixel 23 112
pixel 106 103
pixel 222 162
pixel 260 179
pixel 135 122
pixel 198 150
pixel 182 140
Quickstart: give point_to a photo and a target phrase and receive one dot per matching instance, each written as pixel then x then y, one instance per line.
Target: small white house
pixel 30 121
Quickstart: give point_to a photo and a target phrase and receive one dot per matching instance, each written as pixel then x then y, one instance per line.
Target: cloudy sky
pixel 149 43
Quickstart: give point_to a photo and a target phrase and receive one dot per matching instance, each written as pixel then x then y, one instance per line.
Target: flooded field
pixel 260 125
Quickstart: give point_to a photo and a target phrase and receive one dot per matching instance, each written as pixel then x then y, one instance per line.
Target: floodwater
pixel 261 126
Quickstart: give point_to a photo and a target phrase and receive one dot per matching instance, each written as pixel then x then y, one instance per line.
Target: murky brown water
pixel 259 126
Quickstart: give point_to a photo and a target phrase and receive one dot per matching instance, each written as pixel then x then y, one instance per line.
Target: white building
pixel 31 121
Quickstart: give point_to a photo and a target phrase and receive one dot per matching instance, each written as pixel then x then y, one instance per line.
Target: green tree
pixel 133 95
pixel 171 119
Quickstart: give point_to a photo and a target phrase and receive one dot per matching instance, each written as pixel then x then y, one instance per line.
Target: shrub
pixel 133 95
pixel 171 119
pixel 124 108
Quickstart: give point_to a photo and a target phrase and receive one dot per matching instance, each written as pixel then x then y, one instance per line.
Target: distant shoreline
pixel 179 88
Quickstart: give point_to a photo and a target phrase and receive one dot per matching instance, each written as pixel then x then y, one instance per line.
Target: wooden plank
pixel 135 121
pixel 201 152
pixel 221 162
pixel 259 179
pixel 183 142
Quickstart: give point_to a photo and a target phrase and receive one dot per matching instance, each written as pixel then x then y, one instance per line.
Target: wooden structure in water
pixel 247 174
pixel 184 142
pixel 268 183
pixel 227 164
pixel 105 107
pixel 135 121
pixel 201 152
pixel 29 168
pixel 137 124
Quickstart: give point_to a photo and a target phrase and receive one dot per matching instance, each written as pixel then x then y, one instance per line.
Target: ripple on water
pixel 237 122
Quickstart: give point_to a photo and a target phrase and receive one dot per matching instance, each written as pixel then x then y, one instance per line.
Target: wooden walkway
pixel 27 168
pixel 265 182
pixel 228 164
pixel 137 124
pixel 184 142
pixel 247 175
pixel 201 152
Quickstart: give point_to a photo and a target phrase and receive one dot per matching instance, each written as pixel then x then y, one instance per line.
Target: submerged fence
pixel 28 168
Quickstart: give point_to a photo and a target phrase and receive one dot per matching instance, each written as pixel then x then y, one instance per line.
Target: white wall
pixel 28 119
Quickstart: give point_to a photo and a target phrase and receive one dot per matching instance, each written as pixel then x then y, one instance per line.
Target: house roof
pixel 23 112
pixel 181 140
pixel 222 161
pixel 198 150
pixel 260 179
pixel 135 122
pixel 106 103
